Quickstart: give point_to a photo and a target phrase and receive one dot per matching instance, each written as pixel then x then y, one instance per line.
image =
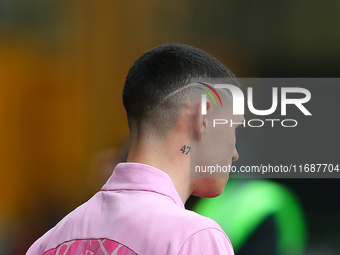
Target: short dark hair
pixel 158 73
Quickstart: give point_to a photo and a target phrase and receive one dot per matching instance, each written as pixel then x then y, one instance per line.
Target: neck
pixel 165 154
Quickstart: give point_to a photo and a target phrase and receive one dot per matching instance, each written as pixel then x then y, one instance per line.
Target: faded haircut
pixel 156 87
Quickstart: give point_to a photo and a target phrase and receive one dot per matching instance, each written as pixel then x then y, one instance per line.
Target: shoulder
pixel 175 217
pixel 195 221
pixel 207 241
pixel 191 233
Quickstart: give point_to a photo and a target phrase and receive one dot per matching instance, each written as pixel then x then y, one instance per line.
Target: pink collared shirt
pixel 138 211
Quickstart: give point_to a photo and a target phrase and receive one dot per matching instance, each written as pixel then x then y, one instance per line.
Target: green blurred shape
pixel 245 204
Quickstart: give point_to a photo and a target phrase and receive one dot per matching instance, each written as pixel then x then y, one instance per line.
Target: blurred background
pixel 62 70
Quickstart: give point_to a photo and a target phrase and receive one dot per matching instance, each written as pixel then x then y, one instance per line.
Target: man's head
pixel 156 97
pixel 155 76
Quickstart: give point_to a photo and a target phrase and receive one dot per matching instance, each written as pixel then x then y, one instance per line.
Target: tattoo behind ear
pixel 185 149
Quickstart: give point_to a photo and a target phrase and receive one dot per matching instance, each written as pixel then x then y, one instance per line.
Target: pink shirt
pixel 138 211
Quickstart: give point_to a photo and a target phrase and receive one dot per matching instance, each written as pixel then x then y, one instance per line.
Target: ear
pixel 200 121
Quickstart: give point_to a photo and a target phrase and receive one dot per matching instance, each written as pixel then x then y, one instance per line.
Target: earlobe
pixel 200 122
pixel 198 119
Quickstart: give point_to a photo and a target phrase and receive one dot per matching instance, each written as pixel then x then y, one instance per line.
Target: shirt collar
pixel 137 176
